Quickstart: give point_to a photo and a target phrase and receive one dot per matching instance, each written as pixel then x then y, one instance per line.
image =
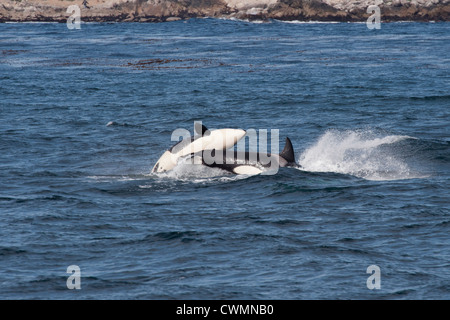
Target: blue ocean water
pixel 367 112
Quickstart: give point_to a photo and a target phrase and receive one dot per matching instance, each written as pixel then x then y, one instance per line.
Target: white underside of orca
pixel 219 139
pixel 247 170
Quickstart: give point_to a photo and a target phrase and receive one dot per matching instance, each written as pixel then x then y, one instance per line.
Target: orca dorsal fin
pixel 288 151
pixel 200 129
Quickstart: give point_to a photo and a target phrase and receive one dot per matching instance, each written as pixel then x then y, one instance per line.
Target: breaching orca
pixel 207 140
pixel 242 162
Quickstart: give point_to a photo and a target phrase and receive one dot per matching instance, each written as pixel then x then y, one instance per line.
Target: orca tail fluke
pixel 288 151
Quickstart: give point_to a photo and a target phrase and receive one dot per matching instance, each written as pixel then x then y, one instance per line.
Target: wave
pixel 184 172
pixel 31 22
pixel 432 98
pixel 113 178
pixel 268 21
pixel 360 153
pixel 307 22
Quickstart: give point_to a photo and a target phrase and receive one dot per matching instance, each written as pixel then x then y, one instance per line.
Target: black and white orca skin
pixel 206 140
pixel 250 163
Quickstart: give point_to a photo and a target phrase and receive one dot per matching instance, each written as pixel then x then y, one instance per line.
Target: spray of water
pixel 363 154
pixel 185 170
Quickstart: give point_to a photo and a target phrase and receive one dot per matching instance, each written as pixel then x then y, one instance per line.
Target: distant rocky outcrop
pixel 171 10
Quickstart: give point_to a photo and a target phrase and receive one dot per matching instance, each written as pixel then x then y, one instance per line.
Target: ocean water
pixel 85 114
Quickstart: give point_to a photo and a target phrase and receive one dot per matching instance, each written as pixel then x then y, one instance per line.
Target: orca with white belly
pixel 219 139
pixel 250 163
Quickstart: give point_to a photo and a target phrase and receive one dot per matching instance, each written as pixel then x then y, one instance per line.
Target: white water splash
pixel 114 178
pixel 185 170
pixel 357 153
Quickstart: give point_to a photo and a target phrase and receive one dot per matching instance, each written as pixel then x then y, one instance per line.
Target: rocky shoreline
pixel 253 10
